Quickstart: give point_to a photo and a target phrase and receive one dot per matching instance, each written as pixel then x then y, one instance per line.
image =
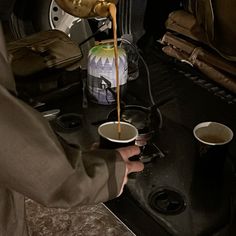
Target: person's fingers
pixel 135 166
pixel 127 152
pixel 131 166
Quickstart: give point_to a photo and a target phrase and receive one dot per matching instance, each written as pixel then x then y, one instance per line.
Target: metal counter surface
pixel 183 104
pixel 185 98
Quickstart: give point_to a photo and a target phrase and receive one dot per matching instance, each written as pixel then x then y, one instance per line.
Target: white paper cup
pixel 109 137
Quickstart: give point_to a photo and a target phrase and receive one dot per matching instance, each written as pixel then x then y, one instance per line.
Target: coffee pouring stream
pixel 86 8
pixel 97 8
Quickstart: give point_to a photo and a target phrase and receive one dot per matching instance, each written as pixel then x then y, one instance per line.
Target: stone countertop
pixel 94 220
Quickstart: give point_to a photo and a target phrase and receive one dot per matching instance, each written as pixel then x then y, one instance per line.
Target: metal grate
pixel 212 87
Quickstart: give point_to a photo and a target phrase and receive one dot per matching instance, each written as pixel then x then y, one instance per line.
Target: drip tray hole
pixel 69 122
pixel 167 201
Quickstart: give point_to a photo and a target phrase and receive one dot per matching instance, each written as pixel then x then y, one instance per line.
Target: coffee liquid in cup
pixel 212 139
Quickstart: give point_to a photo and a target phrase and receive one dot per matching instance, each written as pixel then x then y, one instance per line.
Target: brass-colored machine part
pixel 86 8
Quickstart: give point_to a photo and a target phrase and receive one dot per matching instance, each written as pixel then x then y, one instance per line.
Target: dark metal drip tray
pixel 171 196
pixel 171 193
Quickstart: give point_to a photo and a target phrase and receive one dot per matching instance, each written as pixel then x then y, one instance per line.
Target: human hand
pixel 131 166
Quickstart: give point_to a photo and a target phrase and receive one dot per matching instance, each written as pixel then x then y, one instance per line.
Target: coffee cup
pixel 213 138
pixel 110 138
pixel 213 133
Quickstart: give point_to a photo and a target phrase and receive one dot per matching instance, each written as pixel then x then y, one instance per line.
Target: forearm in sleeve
pixel 34 163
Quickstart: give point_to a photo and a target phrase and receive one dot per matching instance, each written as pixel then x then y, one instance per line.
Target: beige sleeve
pixel 34 163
